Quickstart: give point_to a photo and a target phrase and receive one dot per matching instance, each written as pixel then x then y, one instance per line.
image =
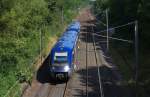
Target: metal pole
pixel 136 51
pixel 62 16
pixel 41 46
pixel 107 30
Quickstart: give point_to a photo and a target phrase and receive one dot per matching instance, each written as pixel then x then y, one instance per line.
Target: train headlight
pixel 53 68
pixel 66 68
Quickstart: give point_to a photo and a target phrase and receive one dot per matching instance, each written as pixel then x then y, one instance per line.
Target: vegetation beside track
pixel 122 12
pixel 22 24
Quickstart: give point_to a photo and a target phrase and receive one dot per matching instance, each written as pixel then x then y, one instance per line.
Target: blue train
pixel 62 54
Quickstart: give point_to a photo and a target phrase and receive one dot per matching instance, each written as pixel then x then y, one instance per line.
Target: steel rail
pixel 99 74
pixel 86 64
pixel 67 83
pixel 65 90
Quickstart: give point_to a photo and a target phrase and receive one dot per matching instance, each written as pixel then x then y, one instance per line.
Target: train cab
pixel 61 63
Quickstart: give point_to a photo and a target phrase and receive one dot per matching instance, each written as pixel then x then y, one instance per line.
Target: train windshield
pixel 61 58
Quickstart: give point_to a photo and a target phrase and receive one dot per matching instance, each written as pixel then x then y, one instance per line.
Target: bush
pixel 21 24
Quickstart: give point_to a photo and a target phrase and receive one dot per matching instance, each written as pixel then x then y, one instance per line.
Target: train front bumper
pixel 60 69
pixel 60 72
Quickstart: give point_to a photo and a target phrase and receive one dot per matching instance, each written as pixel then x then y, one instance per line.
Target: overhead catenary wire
pixel 113 38
pixel 107 29
pixel 99 20
pixel 130 23
pixel 86 65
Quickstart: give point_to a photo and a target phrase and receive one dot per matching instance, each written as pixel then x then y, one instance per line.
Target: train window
pixel 61 57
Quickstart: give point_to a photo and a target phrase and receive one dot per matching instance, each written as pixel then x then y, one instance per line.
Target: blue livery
pixel 62 54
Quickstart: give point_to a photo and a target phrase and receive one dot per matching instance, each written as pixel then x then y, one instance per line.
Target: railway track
pixel 97 63
pixel 98 70
pixel 90 54
pixel 66 92
pixel 91 60
pixel 57 90
pixel 86 81
pixel 87 72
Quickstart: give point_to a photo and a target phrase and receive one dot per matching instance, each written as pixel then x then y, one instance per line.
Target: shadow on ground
pixel 110 77
pixel 43 73
pixel 110 84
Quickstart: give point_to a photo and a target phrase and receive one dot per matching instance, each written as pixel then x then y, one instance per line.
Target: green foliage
pixel 21 22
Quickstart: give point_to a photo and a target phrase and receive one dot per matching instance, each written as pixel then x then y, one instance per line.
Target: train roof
pixel 75 26
pixel 69 37
pixel 68 40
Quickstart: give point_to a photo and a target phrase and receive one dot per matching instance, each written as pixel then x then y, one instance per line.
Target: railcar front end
pixel 61 65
